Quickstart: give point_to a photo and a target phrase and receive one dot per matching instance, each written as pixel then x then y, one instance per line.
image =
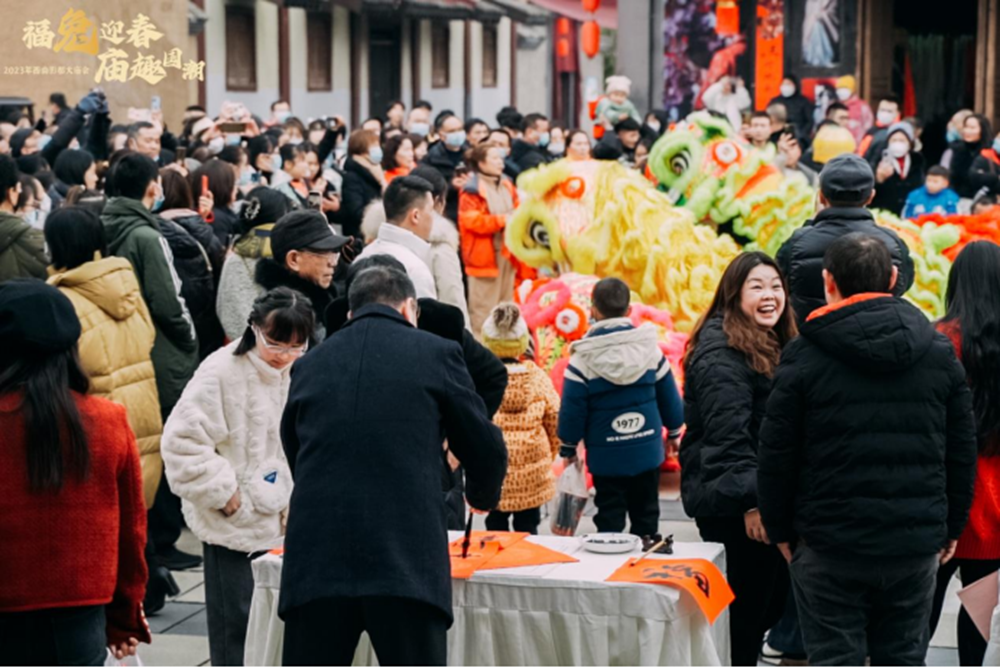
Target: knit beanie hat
pixel 905 128
pixel 847 81
pixel 505 332
pixel 831 141
pixel 618 84
pixel 36 317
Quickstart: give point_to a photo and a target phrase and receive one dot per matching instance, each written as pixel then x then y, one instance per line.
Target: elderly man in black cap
pixel 847 186
pixel 305 254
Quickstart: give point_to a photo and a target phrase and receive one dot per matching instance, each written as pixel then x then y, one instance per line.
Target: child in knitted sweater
pixel 528 417
pixel 616 107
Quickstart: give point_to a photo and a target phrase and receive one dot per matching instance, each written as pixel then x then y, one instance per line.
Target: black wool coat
pixel 363 430
pixel 359 189
pixel 724 404
pixel 868 447
pixel 801 257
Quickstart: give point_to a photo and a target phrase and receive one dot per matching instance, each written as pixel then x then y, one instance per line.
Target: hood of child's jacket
pixel 878 335
pixel 517 398
pixel 619 352
pixel 109 283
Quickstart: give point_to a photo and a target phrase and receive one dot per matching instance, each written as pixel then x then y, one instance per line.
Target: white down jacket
pixel 223 435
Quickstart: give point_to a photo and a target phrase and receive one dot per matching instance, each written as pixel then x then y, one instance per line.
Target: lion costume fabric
pixel 706 168
pixel 599 219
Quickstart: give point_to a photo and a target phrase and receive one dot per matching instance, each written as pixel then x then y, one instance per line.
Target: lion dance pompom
pixel 600 219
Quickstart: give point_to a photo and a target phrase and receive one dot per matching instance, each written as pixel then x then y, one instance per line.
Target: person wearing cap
pixel 223 457
pixel 866 462
pixel 900 171
pixel 529 418
pixel 409 213
pixel 71 513
pixel 847 186
pixel 860 116
pixel 305 252
pixel 363 432
pixel 22 247
pixel 237 289
pixel 620 144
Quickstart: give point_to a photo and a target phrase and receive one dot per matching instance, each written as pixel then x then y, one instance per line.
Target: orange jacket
pixel 477 226
pixel 398 171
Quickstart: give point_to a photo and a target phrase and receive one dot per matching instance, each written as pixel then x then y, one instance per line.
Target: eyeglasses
pixel 330 256
pixel 277 348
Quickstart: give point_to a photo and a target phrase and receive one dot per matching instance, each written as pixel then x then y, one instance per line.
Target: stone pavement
pixel 180 631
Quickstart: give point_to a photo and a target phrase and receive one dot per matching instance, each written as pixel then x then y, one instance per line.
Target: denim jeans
pixel 54 637
pixel 853 607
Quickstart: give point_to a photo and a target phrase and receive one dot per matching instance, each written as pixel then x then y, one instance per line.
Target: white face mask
pixel 787 90
pixel 653 125
pixel 885 117
pixel 898 149
pixel 844 94
pixel 216 145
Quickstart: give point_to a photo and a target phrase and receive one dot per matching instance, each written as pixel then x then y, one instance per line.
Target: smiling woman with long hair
pixel 972 322
pixel 728 366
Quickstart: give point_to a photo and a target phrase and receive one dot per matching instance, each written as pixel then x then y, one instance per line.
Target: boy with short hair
pixel 935 196
pixel 618 394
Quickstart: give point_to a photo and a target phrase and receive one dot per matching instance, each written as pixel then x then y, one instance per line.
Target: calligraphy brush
pixel 468 536
pixel 649 552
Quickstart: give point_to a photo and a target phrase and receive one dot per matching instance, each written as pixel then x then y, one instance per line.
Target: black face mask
pixel 31 164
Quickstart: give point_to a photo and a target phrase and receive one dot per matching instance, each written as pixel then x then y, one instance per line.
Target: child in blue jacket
pixel 935 196
pixel 618 394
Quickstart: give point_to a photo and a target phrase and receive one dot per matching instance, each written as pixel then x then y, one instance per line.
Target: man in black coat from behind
pixel 866 460
pixel 363 429
pixel 847 186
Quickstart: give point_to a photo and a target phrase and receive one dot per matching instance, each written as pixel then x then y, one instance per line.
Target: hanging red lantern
pixel 590 35
pixel 591 5
pixel 727 17
pixel 562 47
pixel 562 26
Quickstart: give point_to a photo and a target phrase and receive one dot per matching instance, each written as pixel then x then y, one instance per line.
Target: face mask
pixel 233 140
pixel 158 202
pixel 787 90
pixel 844 94
pixel 455 139
pixel 952 135
pixel 653 125
pixel 557 149
pixel 43 141
pixel 504 152
pixel 216 145
pixel 996 145
pixel 898 149
pixel 375 154
pixel 246 177
pixel 237 207
pixel 283 116
pixel 543 139
pixel 421 129
pixel 276 162
pixel 885 117
pixel 295 141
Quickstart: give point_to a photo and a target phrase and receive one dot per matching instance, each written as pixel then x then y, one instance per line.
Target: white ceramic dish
pixel 610 543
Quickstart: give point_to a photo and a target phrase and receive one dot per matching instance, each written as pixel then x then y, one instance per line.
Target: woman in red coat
pixel 973 324
pixel 72 518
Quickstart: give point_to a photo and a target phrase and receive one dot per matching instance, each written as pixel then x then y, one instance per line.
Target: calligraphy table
pixel 553 615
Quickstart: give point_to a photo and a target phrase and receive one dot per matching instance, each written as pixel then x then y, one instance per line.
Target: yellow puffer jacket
pixel 114 347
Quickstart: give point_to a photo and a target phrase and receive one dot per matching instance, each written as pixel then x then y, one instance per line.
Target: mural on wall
pixel 821 35
pixel 695 55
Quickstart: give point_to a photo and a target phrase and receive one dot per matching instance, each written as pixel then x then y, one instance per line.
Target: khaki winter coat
pixel 115 345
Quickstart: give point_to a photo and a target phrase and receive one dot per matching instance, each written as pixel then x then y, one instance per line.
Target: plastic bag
pixel 571 498
pixel 127 661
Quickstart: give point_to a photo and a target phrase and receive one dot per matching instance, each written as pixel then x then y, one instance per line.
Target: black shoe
pixel 161 584
pixel 176 560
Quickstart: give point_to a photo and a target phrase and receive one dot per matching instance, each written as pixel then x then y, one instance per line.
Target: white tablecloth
pixel 992 657
pixel 553 615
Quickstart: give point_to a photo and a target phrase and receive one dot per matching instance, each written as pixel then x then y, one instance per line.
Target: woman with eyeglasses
pixel 223 457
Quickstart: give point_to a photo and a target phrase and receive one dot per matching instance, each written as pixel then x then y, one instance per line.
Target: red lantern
pixel 590 35
pixel 562 47
pixel 591 5
pixel 562 26
pixel 727 17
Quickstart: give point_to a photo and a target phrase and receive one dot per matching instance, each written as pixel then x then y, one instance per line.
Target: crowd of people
pixel 288 334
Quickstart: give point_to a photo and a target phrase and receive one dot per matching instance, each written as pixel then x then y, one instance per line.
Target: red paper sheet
pixel 698 577
pixel 490 550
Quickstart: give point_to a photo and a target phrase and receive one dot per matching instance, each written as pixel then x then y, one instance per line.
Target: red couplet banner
pixel 769 67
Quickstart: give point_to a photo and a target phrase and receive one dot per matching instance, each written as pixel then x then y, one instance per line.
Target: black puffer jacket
pixel 869 443
pixel 192 248
pixel 724 403
pixel 801 257
pixel 359 189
